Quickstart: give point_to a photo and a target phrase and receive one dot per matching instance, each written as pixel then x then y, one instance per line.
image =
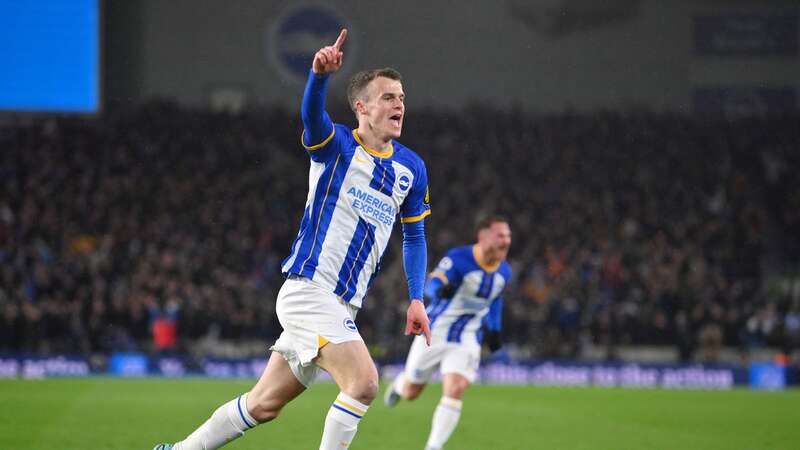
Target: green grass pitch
pixel 134 414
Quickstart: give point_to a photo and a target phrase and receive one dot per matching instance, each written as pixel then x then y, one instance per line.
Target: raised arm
pixel 318 125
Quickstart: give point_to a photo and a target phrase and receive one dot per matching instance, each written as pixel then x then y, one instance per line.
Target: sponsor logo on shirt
pixel 370 206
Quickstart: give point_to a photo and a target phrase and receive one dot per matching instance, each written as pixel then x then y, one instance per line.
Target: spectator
pixel 632 228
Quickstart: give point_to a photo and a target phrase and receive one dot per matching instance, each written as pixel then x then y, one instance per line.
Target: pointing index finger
pixel 340 39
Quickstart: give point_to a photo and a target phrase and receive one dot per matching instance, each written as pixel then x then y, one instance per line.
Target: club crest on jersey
pixel 404 183
pixel 349 324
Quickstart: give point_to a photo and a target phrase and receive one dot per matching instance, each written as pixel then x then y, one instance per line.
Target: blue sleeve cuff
pixel 415 257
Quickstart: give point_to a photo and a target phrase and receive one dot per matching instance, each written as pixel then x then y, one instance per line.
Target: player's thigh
pixel 351 367
pixel 422 361
pixel 454 385
pixel 276 387
pixel 311 318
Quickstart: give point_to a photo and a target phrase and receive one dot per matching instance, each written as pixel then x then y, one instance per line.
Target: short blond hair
pixel 360 81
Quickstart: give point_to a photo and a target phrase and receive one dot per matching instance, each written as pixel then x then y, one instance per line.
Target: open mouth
pixel 396 119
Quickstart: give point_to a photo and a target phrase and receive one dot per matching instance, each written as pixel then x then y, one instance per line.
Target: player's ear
pixel 361 108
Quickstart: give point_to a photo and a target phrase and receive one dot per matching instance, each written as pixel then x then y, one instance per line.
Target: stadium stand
pixel 162 229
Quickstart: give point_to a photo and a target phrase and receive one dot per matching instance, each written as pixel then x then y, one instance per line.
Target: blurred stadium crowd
pixel 162 229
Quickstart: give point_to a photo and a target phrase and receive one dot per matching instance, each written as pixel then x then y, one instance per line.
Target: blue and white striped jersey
pixel 477 296
pixel 354 196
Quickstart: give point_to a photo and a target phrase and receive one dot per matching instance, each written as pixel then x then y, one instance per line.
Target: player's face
pixel 385 107
pixel 498 239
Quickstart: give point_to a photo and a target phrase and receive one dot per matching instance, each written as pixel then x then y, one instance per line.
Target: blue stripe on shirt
pixel 454 334
pixel 357 253
pixel 325 198
pixel 487 283
pixel 437 309
pixel 383 177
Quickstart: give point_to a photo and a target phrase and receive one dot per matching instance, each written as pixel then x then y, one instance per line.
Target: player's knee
pixel 369 390
pixel 364 390
pixel 262 409
pixel 455 387
pixel 265 415
pixel 456 392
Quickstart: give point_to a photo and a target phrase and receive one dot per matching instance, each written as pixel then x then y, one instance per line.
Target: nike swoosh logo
pixel 361 160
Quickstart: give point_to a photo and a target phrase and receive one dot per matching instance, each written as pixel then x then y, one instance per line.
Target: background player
pixel 360 180
pixel 465 293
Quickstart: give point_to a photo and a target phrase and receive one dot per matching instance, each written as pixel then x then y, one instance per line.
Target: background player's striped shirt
pixel 477 297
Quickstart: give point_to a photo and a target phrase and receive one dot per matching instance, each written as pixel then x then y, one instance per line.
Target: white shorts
pixel 453 357
pixel 311 316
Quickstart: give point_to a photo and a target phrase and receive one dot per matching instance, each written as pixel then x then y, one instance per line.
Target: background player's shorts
pixel 452 356
pixel 311 316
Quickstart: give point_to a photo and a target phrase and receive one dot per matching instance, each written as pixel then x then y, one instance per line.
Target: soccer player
pixel 464 293
pixel 359 181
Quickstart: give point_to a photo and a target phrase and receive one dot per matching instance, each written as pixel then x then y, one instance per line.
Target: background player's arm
pixel 445 279
pixel 432 288
pixel 494 323
pixel 415 257
pixel 438 287
pixel 316 122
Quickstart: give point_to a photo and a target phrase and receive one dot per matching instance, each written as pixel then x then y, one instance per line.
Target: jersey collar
pixel 373 152
pixel 482 264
